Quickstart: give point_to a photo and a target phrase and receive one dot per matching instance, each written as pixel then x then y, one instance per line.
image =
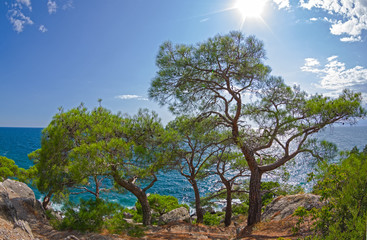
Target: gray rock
pixel 7 209
pixel 24 201
pixel 20 190
pixel 209 209
pixel 285 206
pixel 71 237
pixel 178 214
pixel 24 225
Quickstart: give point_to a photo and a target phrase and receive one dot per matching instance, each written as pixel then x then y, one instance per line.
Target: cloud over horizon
pixel 335 76
pixel 131 96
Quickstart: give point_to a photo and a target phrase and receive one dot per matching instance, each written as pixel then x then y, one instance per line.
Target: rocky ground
pixel 22 217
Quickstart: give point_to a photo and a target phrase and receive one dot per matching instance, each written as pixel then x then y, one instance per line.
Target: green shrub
pixel 89 215
pixel 117 224
pixel 212 219
pixel 159 204
pixel 240 209
pixel 344 187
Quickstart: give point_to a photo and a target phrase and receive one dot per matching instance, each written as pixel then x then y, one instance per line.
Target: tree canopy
pixel 81 148
pixel 271 123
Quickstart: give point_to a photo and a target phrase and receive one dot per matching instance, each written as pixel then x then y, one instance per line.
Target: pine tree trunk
pixel 228 216
pixel 199 209
pixel 147 213
pixel 139 194
pixel 254 212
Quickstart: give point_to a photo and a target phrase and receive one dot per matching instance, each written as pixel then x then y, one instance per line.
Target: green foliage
pixel 226 77
pixel 271 190
pixel 8 169
pixel 240 208
pixel 302 213
pixel 212 219
pixel 117 224
pixel 344 188
pixel 94 215
pixel 160 204
pixel 89 215
pixel 81 148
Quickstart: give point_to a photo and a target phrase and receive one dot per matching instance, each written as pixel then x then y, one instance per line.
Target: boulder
pixel 20 190
pixel 24 201
pixel 209 209
pixel 7 209
pixel 11 224
pixel 285 206
pixel 178 214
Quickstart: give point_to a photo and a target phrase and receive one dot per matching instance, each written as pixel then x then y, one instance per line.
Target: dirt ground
pixel 174 231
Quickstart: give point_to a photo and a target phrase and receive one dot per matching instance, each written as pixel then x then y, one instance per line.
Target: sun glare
pixel 250 8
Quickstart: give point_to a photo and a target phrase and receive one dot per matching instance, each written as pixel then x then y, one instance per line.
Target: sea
pixel 17 143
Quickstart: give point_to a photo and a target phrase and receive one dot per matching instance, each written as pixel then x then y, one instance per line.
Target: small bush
pixel 117 224
pixel 159 204
pixel 212 219
pixel 343 185
pixel 240 209
pixel 89 215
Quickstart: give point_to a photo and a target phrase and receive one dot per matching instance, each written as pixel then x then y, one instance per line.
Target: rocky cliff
pixel 18 210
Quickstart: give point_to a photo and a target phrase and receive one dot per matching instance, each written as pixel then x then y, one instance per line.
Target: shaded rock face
pixel 178 214
pixel 285 206
pixel 7 209
pixel 13 217
pixel 24 201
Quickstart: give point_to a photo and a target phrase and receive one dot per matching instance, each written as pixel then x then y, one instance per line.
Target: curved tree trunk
pixel 254 212
pixel 140 195
pixel 199 209
pixel 228 216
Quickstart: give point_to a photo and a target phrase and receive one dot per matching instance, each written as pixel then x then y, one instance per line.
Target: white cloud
pixel 68 4
pixel 128 96
pixel 335 76
pixel 16 14
pixel 313 19
pixel 310 64
pixel 352 12
pixel 332 58
pixel 43 29
pixel 26 3
pixel 18 20
pixel 351 39
pixel 282 4
pixel 204 20
pixel 19 12
pixel 51 6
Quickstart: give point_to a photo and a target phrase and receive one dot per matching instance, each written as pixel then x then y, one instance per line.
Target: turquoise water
pixel 17 143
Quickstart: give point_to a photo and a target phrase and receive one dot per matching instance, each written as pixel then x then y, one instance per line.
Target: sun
pixel 250 8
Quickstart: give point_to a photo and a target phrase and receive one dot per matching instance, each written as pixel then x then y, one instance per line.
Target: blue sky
pixel 63 52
